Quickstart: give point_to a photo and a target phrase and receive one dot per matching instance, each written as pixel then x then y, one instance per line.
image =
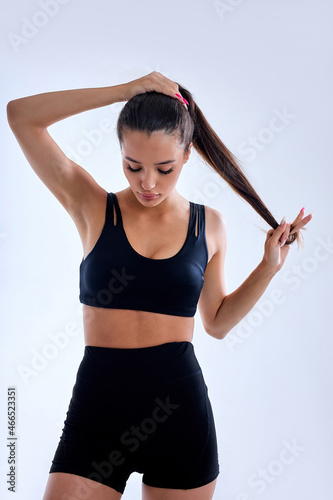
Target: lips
pixel 150 196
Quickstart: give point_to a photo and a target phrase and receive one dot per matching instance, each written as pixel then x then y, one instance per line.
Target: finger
pixel 298 219
pixel 284 235
pixel 169 87
pixel 301 224
pixel 181 99
pixel 172 89
pixel 164 85
pixel 278 232
pixel 269 234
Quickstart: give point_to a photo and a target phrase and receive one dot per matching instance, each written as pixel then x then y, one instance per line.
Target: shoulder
pixel 216 231
pixel 214 218
pixel 215 221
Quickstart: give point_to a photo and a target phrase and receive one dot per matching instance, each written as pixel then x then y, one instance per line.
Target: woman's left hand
pixel 275 249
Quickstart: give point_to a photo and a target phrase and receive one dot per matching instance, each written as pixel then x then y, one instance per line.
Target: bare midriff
pixel 124 328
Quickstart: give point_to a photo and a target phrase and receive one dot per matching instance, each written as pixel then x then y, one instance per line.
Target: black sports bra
pixel 113 275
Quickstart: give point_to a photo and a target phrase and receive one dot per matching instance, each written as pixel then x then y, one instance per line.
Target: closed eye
pixel 161 171
pixel 166 171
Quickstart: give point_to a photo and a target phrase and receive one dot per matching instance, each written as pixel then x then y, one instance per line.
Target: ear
pixel 188 153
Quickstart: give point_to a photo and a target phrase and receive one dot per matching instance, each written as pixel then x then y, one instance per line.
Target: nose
pixel 148 183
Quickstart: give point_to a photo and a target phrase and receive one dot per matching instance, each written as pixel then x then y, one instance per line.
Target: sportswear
pixel 114 275
pixel 144 410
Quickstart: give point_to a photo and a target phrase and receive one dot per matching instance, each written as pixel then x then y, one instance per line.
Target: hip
pixel 149 407
pixel 123 387
pixel 135 368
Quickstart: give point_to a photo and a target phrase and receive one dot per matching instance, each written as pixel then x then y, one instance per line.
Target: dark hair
pixel 153 111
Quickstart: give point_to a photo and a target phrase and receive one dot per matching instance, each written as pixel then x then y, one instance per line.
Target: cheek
pixel 170 180
pixel 174 176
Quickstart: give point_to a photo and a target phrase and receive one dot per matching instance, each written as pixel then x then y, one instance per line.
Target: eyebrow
pixel 162 162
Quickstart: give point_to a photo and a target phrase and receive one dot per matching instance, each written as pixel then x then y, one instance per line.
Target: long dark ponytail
pixel 153 111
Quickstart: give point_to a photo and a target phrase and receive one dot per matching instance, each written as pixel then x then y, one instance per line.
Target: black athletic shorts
pixel 142 409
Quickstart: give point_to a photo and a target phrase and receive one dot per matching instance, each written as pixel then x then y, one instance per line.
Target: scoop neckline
pixel 148 258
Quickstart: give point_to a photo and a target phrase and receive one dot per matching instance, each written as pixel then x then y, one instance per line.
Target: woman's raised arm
pixel 29 118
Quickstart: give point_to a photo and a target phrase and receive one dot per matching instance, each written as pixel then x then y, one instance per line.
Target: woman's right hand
pixel 155 81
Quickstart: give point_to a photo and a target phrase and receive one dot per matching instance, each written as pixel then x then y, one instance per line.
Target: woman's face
pixel 152 164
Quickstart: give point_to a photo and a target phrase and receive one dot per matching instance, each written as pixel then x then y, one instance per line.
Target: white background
pixel 270 379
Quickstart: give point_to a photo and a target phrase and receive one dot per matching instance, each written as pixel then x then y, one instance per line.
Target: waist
pixel 143 367
pixel 122 328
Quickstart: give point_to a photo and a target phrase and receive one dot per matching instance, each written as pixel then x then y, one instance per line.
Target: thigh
pixel 90 444
pixel 202 493
pixel 60 484
pixel 182 452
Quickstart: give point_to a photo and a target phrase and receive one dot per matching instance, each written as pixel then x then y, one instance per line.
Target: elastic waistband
pixel 140 353
pixel 134 367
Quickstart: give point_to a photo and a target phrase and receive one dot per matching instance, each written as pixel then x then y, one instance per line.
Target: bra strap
pixel 114 210
pixel 199 220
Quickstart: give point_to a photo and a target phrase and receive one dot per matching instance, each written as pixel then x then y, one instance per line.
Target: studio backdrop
pixel 261 73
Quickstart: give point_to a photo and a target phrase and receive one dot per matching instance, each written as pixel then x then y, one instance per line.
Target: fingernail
pixel 283 221
pixel 178 95
pixel 302 209
pixel 185 101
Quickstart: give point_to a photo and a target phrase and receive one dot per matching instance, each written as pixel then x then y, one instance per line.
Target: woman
pixel 140 402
